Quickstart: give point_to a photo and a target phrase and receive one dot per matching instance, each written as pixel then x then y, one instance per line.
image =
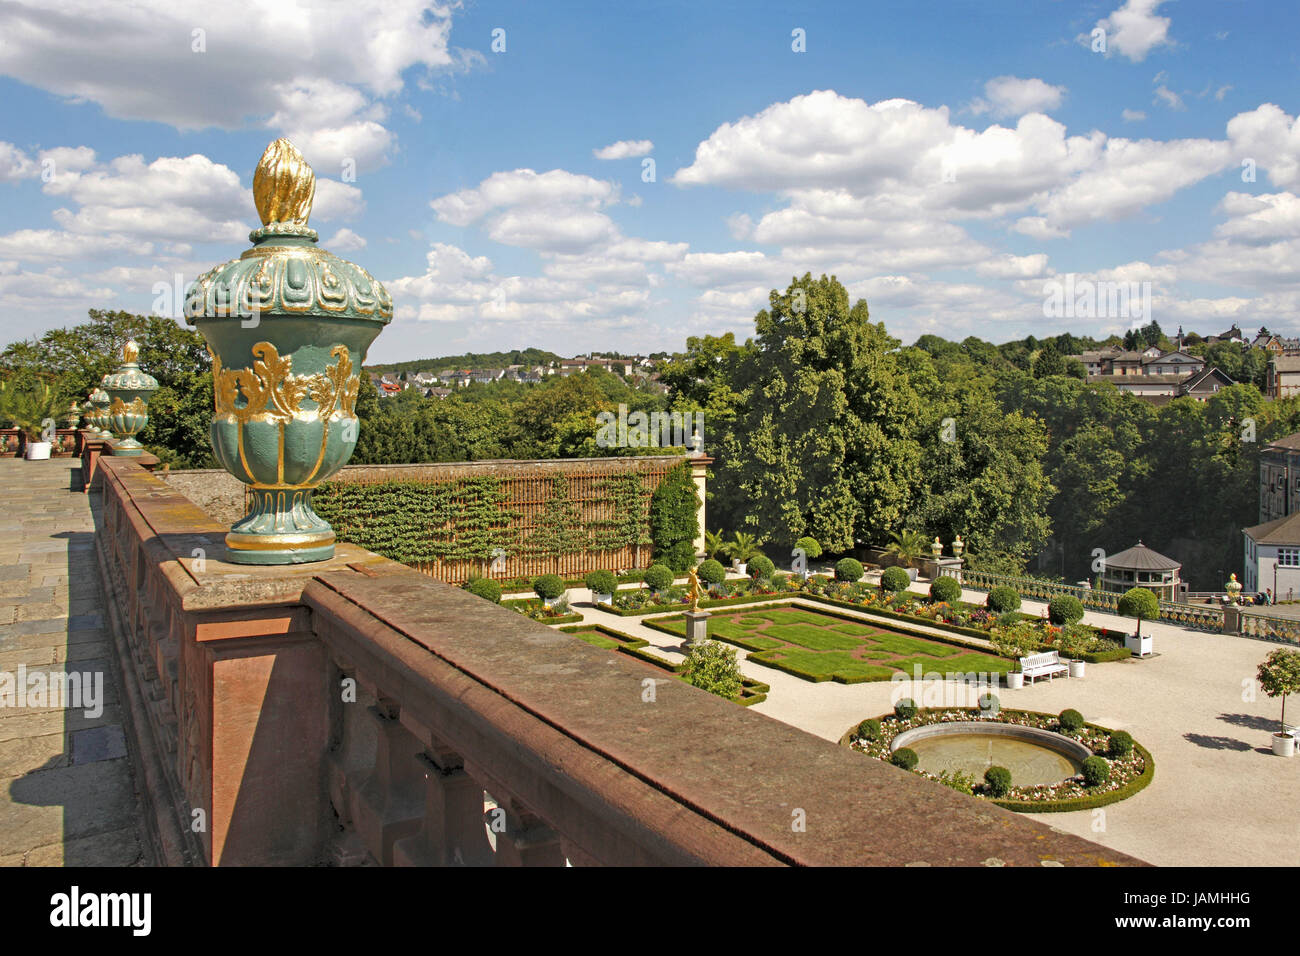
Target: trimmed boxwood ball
pixel 869 729
pixel 1096 771
pixel 904 757
pixel 848 569
pixel 893 579
pixel 1121 744
pixel 905 709
pixel 998 780
pixel 711 572
pixel 1071 720
pixel 1065 609
pixel 658 576
pixel 946 590
pixel 761 566
pixel 1003 598
pixel 601 582
pixel 811 548
pixel 549 586
pixel 485 588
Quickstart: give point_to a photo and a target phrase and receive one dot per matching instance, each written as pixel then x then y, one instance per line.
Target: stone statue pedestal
pixel 697 626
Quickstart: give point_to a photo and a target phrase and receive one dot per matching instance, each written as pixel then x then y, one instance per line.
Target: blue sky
pixel 946 161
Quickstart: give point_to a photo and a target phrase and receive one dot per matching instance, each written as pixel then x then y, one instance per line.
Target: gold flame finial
pixel 284 185
pixel 130 352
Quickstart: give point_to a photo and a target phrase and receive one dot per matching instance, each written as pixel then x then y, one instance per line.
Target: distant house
pixel 437 392
pixel 1202 385
pixel 1232 335
pixel 1283 376
pixel 1279 478
pixel 1172 363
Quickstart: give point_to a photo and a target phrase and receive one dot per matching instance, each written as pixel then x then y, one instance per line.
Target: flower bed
pixel 534 609
pixel 1128 774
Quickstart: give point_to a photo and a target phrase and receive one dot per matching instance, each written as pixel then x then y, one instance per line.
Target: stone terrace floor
pixel 67 794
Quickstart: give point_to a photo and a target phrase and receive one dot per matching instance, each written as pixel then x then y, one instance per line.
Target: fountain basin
pixel 1034 756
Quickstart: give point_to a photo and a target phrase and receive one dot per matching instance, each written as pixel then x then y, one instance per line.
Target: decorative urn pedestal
pixel 128 391
pixel 288 326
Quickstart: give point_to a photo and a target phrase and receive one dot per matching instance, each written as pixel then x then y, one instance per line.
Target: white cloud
pixel 312 69
pixel 1169 98
pixel 1134 30
pixel 14 163
pixel 1133 116
pixel 624 149
pixel 1271 138
pixel 345 240
pixel 1014 267
pixel 1013 96
pixel 1261 218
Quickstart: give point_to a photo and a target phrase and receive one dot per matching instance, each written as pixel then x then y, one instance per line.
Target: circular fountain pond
pixel 1034 756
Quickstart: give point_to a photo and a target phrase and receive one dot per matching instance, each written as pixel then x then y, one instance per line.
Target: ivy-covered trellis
pixel 561 517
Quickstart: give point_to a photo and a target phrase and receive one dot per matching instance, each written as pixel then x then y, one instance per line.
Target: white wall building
pixel 1273 558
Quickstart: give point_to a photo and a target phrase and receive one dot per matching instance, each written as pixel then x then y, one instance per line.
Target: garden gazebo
pixel 1140 566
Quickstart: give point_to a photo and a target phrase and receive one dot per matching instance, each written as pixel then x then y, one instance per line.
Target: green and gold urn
pixel 128 391
pixel 288 326
pixel 99 402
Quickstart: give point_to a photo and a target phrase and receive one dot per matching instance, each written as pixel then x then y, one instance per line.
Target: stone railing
pixel 1279 629
pixel 1202 617
pixel 357 712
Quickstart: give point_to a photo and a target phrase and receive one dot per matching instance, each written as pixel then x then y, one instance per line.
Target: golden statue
pixel 694 588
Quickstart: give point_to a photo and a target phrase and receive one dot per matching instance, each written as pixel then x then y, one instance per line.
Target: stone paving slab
pixel 67 794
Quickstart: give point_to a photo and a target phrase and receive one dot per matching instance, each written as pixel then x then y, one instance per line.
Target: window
pixel 1288 557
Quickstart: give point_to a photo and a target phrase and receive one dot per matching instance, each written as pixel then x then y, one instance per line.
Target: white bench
pixel 1047 664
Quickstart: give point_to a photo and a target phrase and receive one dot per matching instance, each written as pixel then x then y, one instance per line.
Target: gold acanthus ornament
pixel 273 393
pixel 119 407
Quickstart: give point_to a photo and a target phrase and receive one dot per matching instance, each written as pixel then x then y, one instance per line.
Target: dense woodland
pixel 821 424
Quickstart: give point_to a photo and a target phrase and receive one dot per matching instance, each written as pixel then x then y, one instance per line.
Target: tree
pixel 630 523
pixel 1279 676
pixel 821 444
pixel 1049 362
pixel 674 512
pixel 1140 603
pixel 906 546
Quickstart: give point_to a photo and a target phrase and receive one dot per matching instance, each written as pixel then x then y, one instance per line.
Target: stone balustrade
pixel 354 711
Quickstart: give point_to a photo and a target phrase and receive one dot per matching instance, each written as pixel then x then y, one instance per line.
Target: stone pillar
pixel 452 832
pixel 697 627
pixel 699 471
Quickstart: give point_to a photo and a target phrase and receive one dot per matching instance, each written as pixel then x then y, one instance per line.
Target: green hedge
pixel 707 602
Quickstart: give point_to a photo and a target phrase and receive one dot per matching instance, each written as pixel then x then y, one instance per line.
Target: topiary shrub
pixel 869 729
pixel 601 582
pixel 904 757
pixel 1096 771
pixel 1071 720
pixel 711 572
pixel 549 586
pixel 1064 609
pixel 848 569
pixel 894 579
pixel 905 709
pixel 712 666
pixel 680 557
pixel 761 566
pixel 998 780
pixel 810 547
pixel 485 588
pixel 1121 744
pixel 1003 599
pixel 946 590
pixel 658 577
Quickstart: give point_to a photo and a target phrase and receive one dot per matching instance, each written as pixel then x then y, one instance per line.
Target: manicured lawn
pixel 597 639
pixel 820 646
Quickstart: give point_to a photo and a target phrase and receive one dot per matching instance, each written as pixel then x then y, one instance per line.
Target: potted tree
pixel 740 549
pixel 1279 675
pixel 712 574
pixel 812 550
pixel 1142 604
pixel 602 585
pixel 1017 641
pixel 907 547
pixel 32 406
